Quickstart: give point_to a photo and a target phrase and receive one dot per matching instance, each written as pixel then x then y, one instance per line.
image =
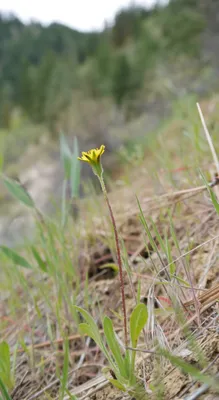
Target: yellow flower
pixel 93 158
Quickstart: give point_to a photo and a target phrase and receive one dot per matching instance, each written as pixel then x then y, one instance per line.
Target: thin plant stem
pixel 209 139
pixel 119 258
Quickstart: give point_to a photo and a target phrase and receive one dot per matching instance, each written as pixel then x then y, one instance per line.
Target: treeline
pixel 42 67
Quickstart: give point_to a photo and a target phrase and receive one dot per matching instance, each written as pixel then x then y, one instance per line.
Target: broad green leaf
pixel 85 329
pixel 18 192
pixel 66 156
pixel 90 321
pixel 15 257
pixel 114 345
pixel 75 171
pixel 138 320
pixel 5 365
pixel 41 264
pixel 128 368
pixel 91 330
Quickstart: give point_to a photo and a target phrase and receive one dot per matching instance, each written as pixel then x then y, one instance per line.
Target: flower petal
pixel 92 156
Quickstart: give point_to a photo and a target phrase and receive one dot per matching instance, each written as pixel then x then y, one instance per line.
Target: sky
pixel 78 14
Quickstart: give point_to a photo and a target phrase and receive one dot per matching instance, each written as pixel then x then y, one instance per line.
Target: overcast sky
pixel 79 14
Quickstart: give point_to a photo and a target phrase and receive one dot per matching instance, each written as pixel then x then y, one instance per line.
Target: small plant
pixel 93 158
pixel 121 361
pixel 6 379
pixel 121 364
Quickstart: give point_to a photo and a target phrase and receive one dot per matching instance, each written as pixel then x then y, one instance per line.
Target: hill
pixel 43 68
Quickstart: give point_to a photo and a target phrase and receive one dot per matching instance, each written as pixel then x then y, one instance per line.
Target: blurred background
pixel 104 72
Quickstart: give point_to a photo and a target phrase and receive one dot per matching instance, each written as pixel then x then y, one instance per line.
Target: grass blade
pixel 18 192
pixel 66 156
pixel 15 257
pixel 41 264
pixel 64 378
pixel 75 171
pixel 190 369
pixel 4 391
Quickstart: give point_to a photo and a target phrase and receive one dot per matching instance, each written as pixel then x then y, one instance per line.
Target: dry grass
pixel 36 308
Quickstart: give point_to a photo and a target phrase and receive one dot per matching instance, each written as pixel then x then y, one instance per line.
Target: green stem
pixel 4 392
pixel 118 258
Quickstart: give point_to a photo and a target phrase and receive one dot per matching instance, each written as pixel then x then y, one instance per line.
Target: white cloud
pixel 79 14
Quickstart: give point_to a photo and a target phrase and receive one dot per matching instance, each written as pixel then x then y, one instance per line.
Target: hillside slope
pixel 76 264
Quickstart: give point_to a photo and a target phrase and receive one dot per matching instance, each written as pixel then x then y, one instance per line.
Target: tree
pixel 128 24
pixel 121 78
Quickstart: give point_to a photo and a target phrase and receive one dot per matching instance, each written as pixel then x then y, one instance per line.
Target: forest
pixel 43 68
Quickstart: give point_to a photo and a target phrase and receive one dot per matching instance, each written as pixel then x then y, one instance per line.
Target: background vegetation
pixel 43 68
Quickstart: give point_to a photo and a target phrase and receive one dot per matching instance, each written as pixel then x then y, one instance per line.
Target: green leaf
pixel 117 384
pixel 146 228
pixel 4 391
pixel 112 266
pixel 159 238
pixel 170 258
pixel 211 192
pixel 138 320
pixel 64 378
pixel 128 368
pixel 85 329
pixel 212 195
pixel 75 171
pixel 5 365
pixel 92 324
pixel 114 345
pixel 18 192
pixel 116 314
pixel 41 264
pixel 66 156
pixel 181 280
pixel 15 257
pixel 214 200
pixel 91 329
